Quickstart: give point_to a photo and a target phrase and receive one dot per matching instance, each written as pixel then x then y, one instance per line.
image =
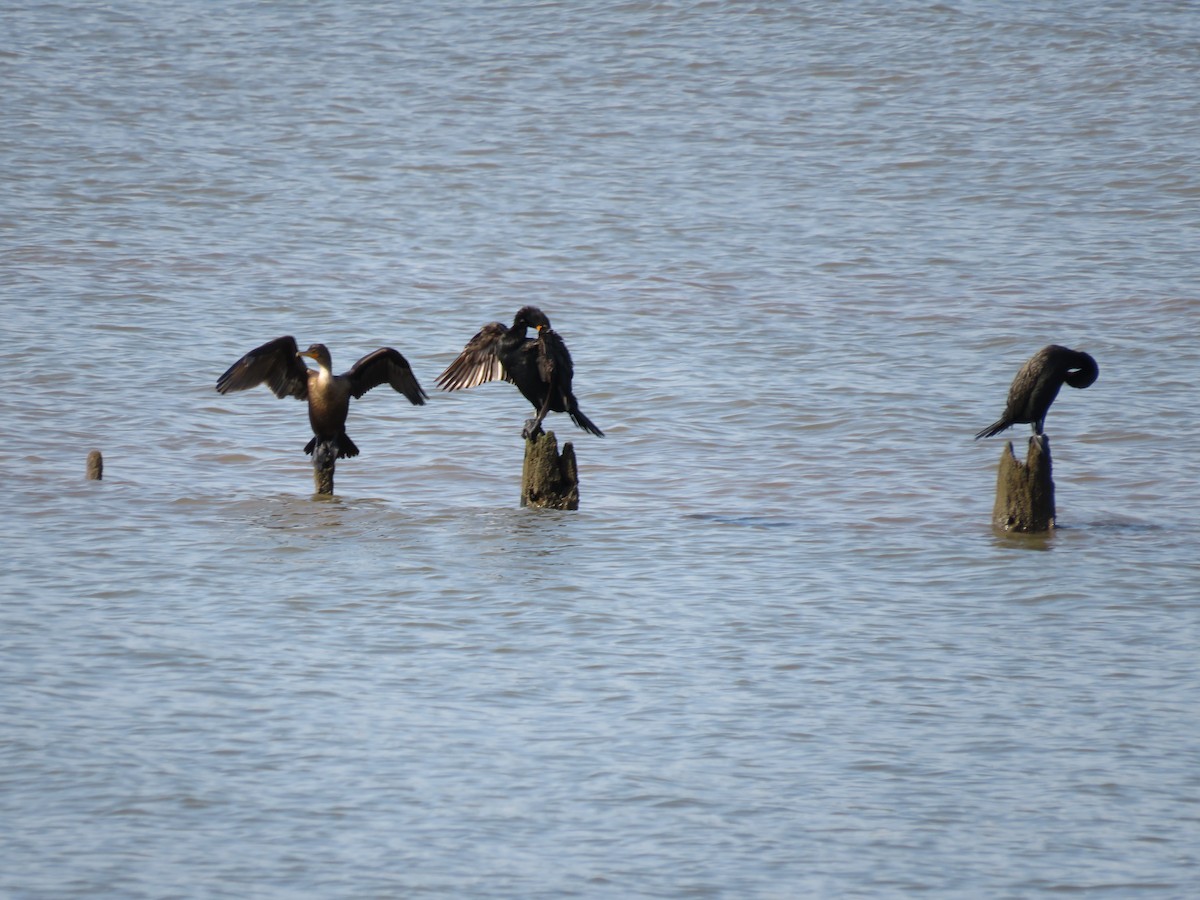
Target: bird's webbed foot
pixel 532 429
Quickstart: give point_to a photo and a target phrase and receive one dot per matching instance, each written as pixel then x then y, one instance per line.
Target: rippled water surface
pixel 798 252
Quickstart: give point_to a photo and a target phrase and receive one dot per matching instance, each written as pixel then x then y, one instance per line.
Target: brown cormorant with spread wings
pixel 540 367
pixel 278 363
pixel 1037 384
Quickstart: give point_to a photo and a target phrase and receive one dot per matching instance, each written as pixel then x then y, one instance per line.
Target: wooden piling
pixel 548 479
pixel 95 466
pixel 1025 490
pixel 324 462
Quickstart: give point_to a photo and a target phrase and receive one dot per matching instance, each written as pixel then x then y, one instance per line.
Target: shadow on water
pixel 1123 525
pixel 1019 541
pixel 742 521
pixel 1046 540
pixel 305 513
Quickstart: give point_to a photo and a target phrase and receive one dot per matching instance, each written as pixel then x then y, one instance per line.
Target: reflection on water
pixel 798 255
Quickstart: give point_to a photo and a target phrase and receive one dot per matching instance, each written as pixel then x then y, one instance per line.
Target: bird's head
pixel 531 317
pixel 320 353
pixel 1083 371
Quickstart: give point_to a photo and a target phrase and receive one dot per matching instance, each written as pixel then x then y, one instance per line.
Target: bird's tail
pixel 584 422
pixel 994 429
pixel 346 447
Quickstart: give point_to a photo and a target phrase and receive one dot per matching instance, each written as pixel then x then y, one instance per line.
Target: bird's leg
pixel 533 427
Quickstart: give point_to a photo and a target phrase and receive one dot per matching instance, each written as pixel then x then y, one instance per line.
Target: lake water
pixel 798 252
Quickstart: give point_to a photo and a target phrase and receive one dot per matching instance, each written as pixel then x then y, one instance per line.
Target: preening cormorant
pixel 278 363
pixel 1037 384
pixel 540 367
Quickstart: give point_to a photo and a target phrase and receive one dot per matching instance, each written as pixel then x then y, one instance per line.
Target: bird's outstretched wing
pixel 478 362
pixel 276 363
pixel 385 366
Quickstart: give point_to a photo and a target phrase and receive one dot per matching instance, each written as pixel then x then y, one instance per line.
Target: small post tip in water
pixel 95 466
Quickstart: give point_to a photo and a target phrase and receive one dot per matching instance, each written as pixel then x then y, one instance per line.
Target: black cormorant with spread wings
pixel 278 363
pixel 540 367
pixel 1037 384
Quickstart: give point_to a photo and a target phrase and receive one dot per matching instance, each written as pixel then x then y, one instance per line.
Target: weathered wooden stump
pixel 324 461
pixel 548 479
pixel 1025 490
pixel 95 466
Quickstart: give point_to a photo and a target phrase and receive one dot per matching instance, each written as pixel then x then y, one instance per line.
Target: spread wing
pixel 276 363
pixel 478 362
pixel 385 366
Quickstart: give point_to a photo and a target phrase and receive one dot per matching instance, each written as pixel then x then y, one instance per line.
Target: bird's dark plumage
pixel 540 367
pixel 278 364
pixel 1037 384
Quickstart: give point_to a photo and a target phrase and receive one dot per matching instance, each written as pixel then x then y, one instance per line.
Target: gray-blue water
pixel 798 252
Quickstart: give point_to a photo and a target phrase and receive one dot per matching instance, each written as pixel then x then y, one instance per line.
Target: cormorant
pixel 278 363
pixel 1037 384
pixel 540 367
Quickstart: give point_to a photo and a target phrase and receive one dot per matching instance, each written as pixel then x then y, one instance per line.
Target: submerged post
pixel 324 461
pixel 1025 491
pixel 549 479
pixel 95 466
